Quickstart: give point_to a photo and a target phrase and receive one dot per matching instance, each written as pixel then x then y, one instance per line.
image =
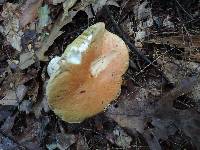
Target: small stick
pixel 130 45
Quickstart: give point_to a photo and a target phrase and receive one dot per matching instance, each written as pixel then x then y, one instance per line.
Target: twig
pixel 123 36
pixel 184 9
pixel 130 45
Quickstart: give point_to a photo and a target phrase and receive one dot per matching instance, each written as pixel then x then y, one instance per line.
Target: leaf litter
pixel 146 115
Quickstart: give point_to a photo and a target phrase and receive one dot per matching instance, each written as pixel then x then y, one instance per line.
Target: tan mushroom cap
pixel 79 91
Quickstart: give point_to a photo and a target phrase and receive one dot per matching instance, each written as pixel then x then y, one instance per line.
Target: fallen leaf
pixel 167 23
pixel 13 97
pixel 10 28
pixel 2 2
pixel 26 106
pixel 30 11
pixel 21 91
pixel 81 143
pixel 44 16
pixel 41 106
pixel 56 2
pixel 97 5
pixel 61 21
pixel 144 18
pixel 29 37
pixel 26 60
pixel 67 5
pixel 135 110
pixel 120 138
pixel 7 144
pixel 10 98
pixel 33 133
pixel 5 112
pixel 33 90
pixel 55 32
pixel 8 124
pixel 181 69
pixel 62 141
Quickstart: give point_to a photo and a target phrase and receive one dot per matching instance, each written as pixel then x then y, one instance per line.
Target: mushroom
pixel 88 75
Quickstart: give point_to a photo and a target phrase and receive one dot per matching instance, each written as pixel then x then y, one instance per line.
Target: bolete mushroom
pixel 88 75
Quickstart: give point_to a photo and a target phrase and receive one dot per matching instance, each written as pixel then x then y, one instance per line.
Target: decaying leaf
pixel 7 144
pixel 144 18
pixel 167 23
pixel 13 97
pixel 62 20
pixel 8 124
pixel 5 112
pixel 120 138
pixel 67 5
pixel 181 69
pixel 26 60
pixel 25 106
pixel 55 2
pixel 135 110
pixel 97 5
pixel 33 134
pixel 41 105
pixel 62 141
pixel 11 29
pixel 44 16
pixel 30 11
pixel 81 143
pixel 21 91
pixel 10 98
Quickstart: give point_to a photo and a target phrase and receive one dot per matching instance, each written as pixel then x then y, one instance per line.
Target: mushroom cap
pixel 89 76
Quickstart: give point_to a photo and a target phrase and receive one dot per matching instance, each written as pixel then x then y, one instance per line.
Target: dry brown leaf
pixel 30 11
pixel 62 20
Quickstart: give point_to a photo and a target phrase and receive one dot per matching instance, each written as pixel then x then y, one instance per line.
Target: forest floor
pixel 159 104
